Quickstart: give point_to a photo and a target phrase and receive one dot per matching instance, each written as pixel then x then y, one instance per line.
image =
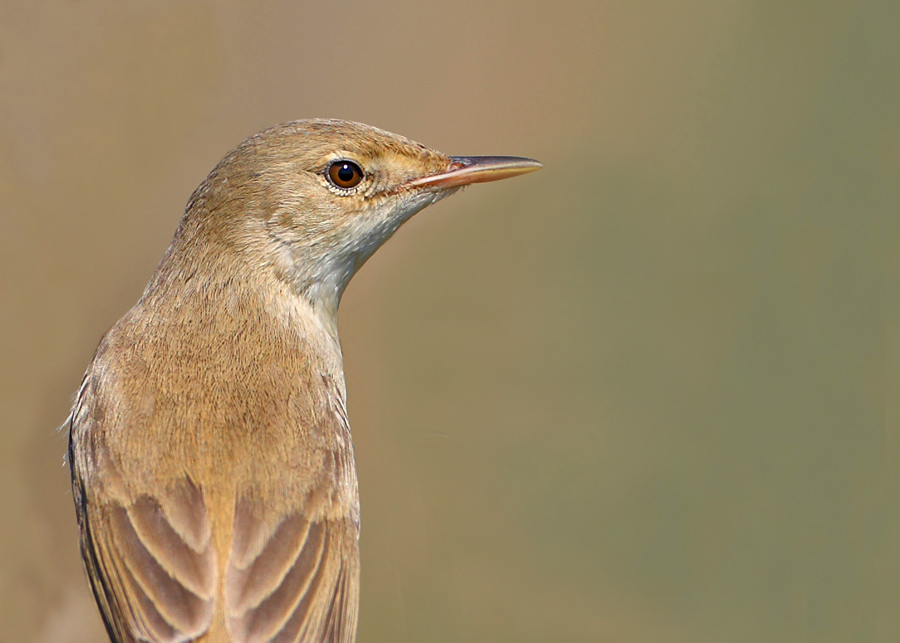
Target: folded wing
pixel 290 579
pixel 154 565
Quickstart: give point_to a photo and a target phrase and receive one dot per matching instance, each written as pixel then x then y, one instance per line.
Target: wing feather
pixel 192 566
pixel 251 583
pixel 151 583
pixel 329 613
pixel 301 584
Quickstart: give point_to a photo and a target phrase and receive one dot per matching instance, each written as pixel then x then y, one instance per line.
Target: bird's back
pixel 217 495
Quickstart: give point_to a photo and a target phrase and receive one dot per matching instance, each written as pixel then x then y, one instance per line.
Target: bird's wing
pixel 291 578
pixel 151 563
pixel 293 568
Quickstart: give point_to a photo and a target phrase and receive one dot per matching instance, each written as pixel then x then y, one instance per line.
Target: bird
pixel 211 460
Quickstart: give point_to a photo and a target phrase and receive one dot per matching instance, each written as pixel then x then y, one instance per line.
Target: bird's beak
pixel 464 170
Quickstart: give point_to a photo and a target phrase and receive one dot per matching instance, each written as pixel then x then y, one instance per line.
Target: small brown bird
pixel 212 467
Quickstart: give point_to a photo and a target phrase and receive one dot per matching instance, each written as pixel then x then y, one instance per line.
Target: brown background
pixel 647 394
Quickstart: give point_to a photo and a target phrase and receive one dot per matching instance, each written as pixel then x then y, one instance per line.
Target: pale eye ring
pixel 345 174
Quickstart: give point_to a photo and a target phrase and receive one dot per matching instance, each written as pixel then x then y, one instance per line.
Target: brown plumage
pixel 212 466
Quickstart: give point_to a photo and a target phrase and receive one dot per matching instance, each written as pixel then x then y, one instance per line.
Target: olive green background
pixel 649 393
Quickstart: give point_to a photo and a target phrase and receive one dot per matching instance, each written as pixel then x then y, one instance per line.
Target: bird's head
pixel 312 200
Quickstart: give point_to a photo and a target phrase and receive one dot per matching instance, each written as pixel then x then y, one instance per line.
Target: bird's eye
pixel 345 174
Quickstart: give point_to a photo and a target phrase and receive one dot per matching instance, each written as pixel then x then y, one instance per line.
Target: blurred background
pixel 649 393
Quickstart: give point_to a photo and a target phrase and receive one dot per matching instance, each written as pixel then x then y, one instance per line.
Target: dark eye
pixel 345 174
